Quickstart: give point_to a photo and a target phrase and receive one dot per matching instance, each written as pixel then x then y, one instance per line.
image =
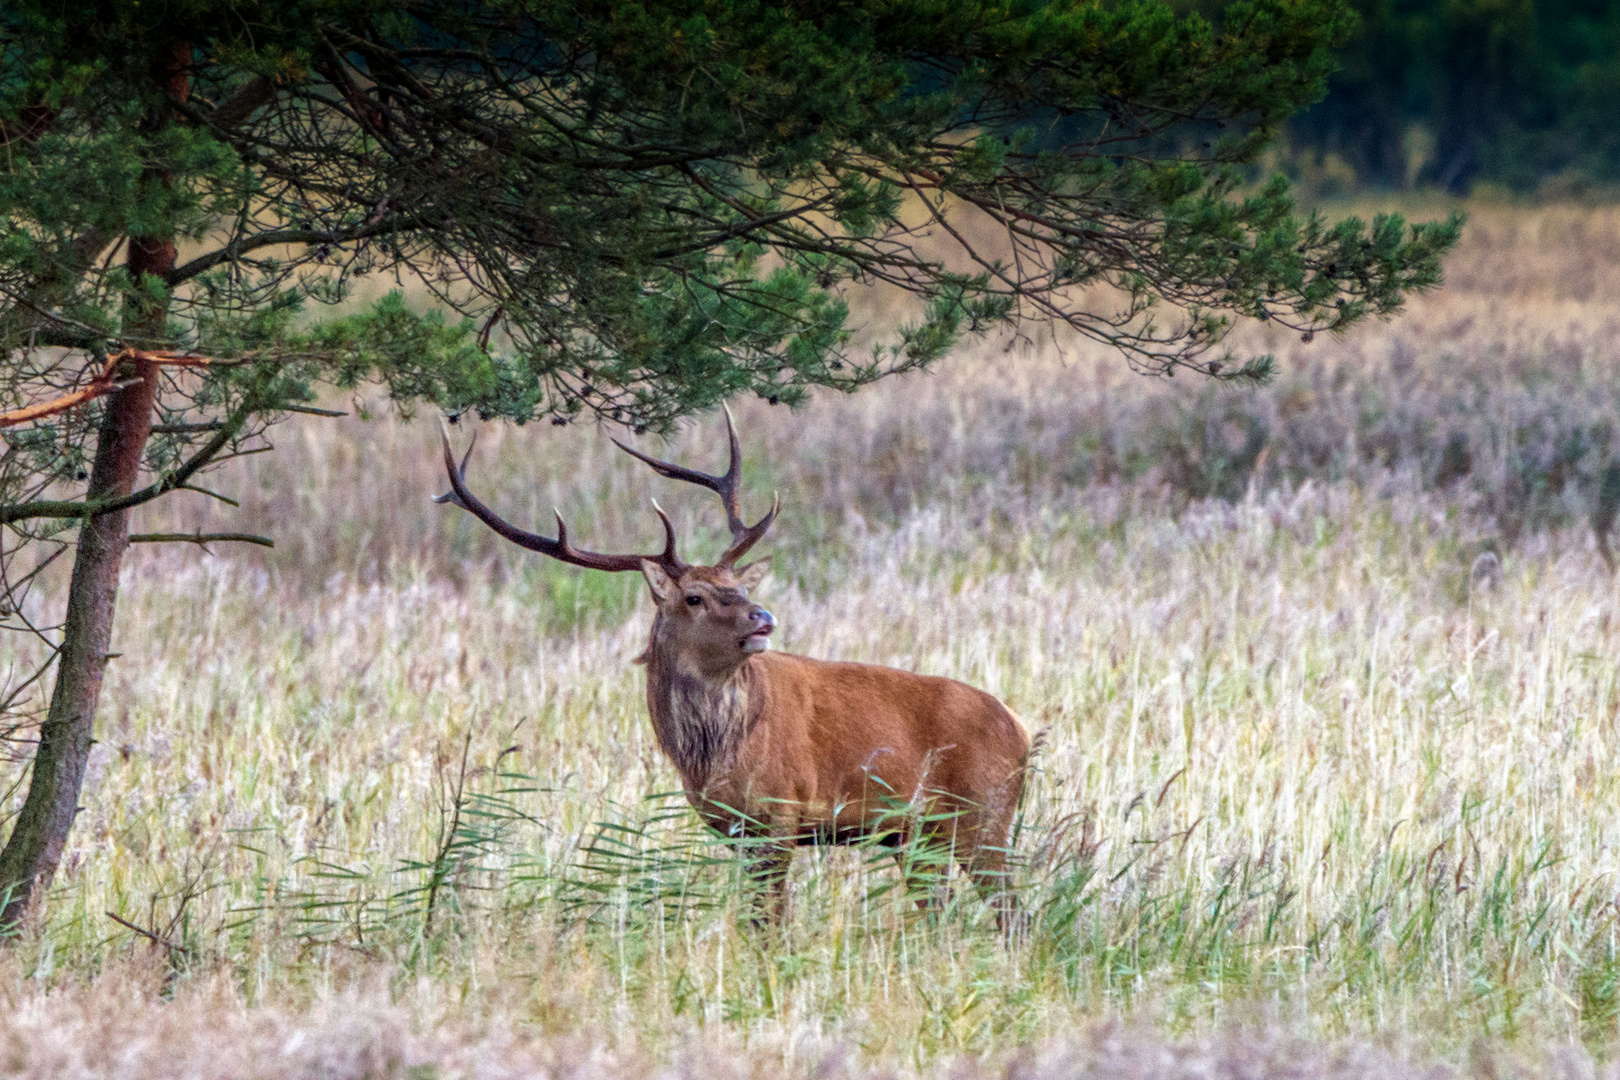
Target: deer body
pixel 792 750
pixel 817 752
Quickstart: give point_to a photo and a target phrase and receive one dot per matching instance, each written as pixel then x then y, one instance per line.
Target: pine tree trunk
pixel 34 848
pixel 65 738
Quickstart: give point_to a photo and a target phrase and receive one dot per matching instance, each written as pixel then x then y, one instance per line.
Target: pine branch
pixel 201 538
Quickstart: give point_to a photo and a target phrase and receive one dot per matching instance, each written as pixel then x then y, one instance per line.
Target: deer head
pixel 705 619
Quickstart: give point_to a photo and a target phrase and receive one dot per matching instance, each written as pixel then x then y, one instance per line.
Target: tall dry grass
pixel 1326 670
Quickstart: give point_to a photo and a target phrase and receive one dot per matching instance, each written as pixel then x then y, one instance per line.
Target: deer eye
pixel 694 600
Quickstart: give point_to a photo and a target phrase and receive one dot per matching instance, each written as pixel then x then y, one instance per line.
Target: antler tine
pixel 734 467
pixel 560 549
pixel 750 535
pixel 458 471
pixel 743 535
pixel 669 535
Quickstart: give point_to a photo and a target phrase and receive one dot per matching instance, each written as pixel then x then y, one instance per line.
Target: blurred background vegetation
pixel 1471 97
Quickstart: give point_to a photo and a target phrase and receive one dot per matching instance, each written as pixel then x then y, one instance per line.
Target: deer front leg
pixel 985 858
pixel 766 867
pixel 924 879
pixel 924 856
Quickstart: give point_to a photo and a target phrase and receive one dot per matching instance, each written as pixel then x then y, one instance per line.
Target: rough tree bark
pixel 34 848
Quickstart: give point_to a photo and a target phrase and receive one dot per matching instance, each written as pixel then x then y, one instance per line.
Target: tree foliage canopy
pixel 645 207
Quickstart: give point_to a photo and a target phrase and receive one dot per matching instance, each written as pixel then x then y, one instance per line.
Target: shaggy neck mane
pixel 699 721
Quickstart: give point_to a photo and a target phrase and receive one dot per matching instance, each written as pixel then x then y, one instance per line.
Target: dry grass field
pixel 1328 674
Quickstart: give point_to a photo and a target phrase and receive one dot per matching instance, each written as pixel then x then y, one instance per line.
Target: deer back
pixel 803 745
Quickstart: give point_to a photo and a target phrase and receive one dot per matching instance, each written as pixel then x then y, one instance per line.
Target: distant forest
pixel 1452 93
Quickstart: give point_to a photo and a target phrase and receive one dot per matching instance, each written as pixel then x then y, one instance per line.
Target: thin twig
pixel 447 839
pixel 104 383
pixel 226 499
pixel 186 429
pixel 201 538
pixel 147 934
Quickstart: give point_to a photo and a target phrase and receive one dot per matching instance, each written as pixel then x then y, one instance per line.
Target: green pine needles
pixel 640 209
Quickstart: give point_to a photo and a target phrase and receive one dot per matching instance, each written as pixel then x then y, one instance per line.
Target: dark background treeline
pixel 1450 94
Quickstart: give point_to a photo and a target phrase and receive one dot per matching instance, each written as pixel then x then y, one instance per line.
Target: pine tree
pixel 631 210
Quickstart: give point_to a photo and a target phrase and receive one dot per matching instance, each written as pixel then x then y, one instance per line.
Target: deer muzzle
pixel 758 640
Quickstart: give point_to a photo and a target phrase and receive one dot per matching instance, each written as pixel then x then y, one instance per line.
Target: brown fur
pixel 812 751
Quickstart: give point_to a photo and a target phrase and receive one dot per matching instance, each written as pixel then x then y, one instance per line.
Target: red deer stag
pixel 793 750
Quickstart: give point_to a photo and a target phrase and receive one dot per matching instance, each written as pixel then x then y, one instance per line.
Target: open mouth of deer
pixel 759 640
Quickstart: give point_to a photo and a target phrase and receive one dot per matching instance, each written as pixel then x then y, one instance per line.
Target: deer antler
pixel 743 536
pixel 560 548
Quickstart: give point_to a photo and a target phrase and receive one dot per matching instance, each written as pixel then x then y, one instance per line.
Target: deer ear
pixel 751 575
pixel 658 581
